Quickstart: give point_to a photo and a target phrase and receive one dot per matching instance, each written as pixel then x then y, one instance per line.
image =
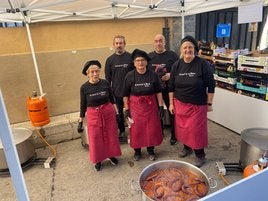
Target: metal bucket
pixel 24 144
pixel 254 141
pixel 181 165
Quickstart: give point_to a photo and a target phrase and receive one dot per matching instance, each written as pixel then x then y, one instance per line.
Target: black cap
pixel 140 53
pixel 192 40
pixel 89 63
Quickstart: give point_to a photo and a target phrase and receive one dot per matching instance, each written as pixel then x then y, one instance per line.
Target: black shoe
pixel 185 152
pixel 173 141
pixel 152 157
pixel 98 166
pixel 199 161
pixel 137 157
pixel 113 161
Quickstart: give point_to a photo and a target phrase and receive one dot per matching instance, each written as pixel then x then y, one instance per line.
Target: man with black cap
pixel 191 94
pixel 144 105
pixel 97 101
pixel 161 62
pixel 116 67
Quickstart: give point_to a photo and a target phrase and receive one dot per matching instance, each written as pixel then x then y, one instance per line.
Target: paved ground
pixel 73 178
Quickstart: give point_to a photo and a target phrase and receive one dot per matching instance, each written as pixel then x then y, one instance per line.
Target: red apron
pixel 102 133
pixel 191 124
pixel 146 130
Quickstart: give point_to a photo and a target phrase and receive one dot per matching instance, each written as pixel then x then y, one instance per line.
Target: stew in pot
pixel 173 184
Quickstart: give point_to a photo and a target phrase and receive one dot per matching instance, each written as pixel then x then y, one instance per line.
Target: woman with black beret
pixel 144 104
pixel 96 100
pixel 191 87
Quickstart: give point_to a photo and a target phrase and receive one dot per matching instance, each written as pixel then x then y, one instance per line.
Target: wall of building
pixel 62 48
pixel 241 35
pixel 175 25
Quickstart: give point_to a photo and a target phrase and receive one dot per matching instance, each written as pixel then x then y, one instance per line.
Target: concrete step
pixel 61 128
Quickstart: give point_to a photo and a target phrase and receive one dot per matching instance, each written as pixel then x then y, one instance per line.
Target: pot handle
pixel 135 185
pixel 212 182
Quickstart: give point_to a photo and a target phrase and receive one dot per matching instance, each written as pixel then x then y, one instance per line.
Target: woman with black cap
pixel 144 104
pixel 96 99
pixel 191 94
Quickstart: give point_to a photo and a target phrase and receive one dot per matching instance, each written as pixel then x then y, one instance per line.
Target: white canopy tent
pixel 32 11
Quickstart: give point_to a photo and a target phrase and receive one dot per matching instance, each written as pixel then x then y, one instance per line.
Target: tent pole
pixel 182 18
pixel 182 24
pixel 11 154
pixel 34 58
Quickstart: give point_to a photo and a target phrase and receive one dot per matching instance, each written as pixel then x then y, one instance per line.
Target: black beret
pixel 89 63
pixel 192 40
pixel 139 53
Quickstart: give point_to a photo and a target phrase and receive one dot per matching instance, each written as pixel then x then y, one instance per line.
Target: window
pixel 11 24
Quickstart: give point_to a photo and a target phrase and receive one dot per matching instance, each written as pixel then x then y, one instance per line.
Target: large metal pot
pixel 24 144
pixel 254 141
pixel 181 165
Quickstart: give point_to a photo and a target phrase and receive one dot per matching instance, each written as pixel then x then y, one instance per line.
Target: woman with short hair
pixel 191 91
pixel 96 100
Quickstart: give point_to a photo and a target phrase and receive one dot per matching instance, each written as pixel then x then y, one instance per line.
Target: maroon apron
pixel 102 133
pixel 191 124
pixel 146 130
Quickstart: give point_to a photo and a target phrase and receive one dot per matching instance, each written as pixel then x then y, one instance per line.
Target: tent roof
pixel 32 11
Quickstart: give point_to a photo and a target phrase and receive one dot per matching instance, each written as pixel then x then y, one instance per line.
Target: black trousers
pixel 150 151
pixel 171 117
pixel 120 105
pixel 199 153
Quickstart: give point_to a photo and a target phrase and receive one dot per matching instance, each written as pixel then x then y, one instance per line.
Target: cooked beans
pixel 173 184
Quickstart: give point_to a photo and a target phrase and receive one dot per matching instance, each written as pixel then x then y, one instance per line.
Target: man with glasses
pixel 161 62
pixel 116 67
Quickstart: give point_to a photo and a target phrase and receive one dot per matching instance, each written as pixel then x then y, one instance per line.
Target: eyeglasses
pixel 140 60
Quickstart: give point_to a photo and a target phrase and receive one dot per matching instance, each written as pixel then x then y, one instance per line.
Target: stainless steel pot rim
pixel 19 135
pixel 256 137
pixel 166 162
pixel 173 161
pixel 173 164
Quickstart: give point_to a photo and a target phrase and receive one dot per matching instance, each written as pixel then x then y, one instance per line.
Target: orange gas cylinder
pixel 256 166
pixel 250 169
pixel 37 110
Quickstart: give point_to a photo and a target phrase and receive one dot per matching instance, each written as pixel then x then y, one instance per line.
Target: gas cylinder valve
pixel 257 166
pixel 34 94
pixel 263 161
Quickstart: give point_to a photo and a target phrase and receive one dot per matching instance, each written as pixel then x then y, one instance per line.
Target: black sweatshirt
pixel 161 63
pixel 116 68
pixel 94 95
pixel 191 82
pixel 141 84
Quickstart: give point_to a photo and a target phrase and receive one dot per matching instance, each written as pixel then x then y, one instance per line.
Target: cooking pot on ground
pixel 181 165
pixel 254 141
pixel 25 147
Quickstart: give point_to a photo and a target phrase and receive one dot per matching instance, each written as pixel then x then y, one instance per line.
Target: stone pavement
pixel 73 178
